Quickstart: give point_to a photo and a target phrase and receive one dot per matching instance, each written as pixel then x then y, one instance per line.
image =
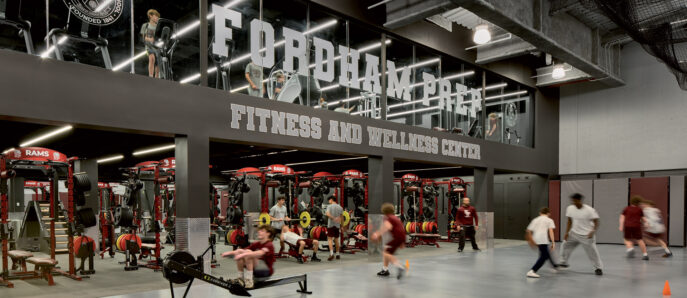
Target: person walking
pixel 583 222
pixel 334 212
pixel 538 233
pixel 467 223
pixel 631 226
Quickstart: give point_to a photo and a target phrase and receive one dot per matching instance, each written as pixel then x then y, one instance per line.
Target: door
pixel 517 209
pixel 499 211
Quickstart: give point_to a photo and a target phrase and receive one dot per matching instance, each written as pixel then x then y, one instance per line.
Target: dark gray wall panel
pixel 676 234
pixel 584 187
pixel 610 197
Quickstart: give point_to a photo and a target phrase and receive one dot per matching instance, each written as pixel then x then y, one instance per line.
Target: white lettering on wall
pixel 295 49
pixel 324 60
pixel 262 31
pixel 398 88
pixel 222 32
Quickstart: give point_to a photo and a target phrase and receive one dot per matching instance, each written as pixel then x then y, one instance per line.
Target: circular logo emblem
pixel 96 12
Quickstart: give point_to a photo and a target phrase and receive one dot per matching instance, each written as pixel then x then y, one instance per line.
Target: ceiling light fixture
pixel 152 150
pixel 45 136
pixel 482 34
pixel 558 72
pixel 111 158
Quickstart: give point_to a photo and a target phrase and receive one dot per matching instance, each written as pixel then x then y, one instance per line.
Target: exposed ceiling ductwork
pixel 536 25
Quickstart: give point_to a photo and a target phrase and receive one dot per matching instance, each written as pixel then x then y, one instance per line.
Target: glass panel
pixel 91 32
pixel 232 63
pixel 18 17
pixel 166 40
pixel 327 93
pixel 400 72
pixel 364 100
pixel 509 112
pixel 466 99
pixel 280 84
pixel 430 110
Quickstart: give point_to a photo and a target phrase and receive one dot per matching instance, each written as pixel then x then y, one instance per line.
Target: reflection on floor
pixel 440 272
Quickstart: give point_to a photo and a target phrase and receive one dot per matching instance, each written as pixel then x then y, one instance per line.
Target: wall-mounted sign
pixel 250 118
pixel 327 62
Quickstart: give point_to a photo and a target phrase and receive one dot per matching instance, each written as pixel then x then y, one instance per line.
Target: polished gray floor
pixel 494 273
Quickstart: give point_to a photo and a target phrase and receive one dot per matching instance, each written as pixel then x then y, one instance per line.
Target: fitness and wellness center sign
pixel 262 45
pixel 255 119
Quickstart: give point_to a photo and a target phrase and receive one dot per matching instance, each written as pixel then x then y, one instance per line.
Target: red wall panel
pixel 555 204
pixel 655 189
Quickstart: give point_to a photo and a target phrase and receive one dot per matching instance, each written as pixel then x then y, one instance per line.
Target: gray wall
pixel 637 127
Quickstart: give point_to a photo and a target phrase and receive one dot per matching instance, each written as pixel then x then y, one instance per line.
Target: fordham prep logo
pixel 96 12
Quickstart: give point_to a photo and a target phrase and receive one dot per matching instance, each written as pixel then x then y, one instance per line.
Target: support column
pixel 192 180
pixel 380 182
pixel 483 200
pixel 483 197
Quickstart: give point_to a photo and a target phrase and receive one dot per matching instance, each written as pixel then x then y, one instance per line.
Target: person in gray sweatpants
pixel 583 222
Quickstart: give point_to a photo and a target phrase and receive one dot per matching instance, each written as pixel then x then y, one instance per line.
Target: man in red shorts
pixel 394 226
pixel 631 226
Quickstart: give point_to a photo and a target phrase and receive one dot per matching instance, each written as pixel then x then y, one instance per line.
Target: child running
pixel 395 227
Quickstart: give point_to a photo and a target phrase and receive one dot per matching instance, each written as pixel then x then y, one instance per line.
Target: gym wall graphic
pixel 96 12
pixel 251 118
pixel 262 54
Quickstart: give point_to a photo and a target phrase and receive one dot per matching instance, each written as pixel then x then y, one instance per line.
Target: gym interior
pixel 148 146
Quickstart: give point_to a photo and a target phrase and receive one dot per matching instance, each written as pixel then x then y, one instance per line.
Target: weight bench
pixel 426 239
pixel 44 267
pixel 19 259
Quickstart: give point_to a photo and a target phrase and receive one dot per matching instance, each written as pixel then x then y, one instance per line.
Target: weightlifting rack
pixel 166 166
pixel 106 225
pixel 45 162
pixel 459 186
pixel 423 237
pixel 354 175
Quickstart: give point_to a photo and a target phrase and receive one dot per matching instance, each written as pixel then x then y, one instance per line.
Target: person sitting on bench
pixel 257 259
pixel 296 239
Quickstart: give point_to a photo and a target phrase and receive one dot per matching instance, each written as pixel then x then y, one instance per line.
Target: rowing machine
pixel 181 267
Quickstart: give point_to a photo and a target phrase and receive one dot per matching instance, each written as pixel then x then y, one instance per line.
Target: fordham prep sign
pixel 296 61
pixel 256 119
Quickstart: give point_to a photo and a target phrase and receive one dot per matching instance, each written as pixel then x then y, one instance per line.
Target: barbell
pixel 303 219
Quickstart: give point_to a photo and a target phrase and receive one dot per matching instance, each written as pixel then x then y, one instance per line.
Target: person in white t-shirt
pixel 654 227
pixel 583 222
pixel 297 239
pixel 538 233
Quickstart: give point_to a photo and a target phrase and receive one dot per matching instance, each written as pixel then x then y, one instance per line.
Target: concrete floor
pixel 440 272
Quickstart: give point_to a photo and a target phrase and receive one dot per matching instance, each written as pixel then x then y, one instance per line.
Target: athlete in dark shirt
pixel 631 226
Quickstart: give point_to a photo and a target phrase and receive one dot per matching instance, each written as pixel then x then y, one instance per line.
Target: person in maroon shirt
pixel 394 226
pixel 257 259
pixel 631 226
pixel 464 224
